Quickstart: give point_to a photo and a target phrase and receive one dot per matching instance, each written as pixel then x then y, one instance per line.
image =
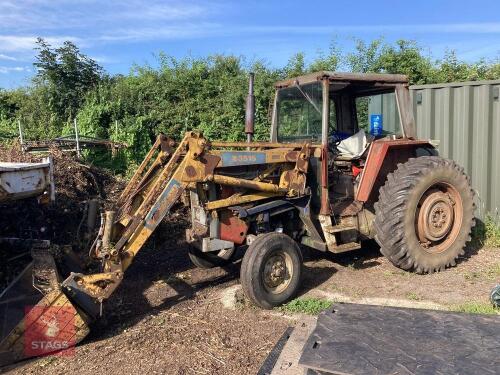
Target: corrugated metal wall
pixel 465 118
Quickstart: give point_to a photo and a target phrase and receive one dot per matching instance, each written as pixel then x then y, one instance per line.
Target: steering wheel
pixel 334 140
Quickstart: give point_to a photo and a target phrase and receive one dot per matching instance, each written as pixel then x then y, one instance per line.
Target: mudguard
pixel 383 157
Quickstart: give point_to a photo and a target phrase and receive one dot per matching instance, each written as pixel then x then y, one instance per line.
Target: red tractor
pixel 387 185
pixel 324 180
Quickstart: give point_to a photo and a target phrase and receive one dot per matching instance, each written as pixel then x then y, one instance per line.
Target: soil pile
pixel 59 221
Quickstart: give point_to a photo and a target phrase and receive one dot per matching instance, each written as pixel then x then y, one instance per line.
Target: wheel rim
pixel 439 217
pixel 278 272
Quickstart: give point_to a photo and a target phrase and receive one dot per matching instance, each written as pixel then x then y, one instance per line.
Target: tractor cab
pixel 329 107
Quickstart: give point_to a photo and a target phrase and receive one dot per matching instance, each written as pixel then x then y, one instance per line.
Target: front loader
pixel 323 181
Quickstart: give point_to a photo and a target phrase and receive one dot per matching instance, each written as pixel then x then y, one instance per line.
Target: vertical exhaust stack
pixel 250 110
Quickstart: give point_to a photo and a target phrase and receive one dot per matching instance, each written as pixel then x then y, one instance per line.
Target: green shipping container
pixel 465 118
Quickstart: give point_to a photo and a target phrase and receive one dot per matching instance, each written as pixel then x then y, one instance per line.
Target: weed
pixel 311 306
pixel 475 308
pixel 159 322
pixel 493 273
pixel 358 293
pixel 472 275
pixel 413 296
pixel 47 361
pixel 492 228
pixel 488 232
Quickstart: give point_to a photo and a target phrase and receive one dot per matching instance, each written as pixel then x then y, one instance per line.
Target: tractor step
pixel 339 228
pixel 341 248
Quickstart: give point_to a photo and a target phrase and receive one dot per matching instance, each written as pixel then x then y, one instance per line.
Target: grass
pixel 492 273
pixel 476 308
pixel 488 233
pixel 492 232
pixel 397 272
pixel 310 306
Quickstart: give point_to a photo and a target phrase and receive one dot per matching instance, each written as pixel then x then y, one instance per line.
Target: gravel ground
pixel 167 316
pixel 367 274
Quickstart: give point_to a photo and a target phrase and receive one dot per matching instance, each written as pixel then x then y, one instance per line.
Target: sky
pixel 120 33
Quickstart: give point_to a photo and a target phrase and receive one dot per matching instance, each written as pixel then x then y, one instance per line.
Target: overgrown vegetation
pixel 487 233
pixel 492 229
pixel 190 93
pixel 311 306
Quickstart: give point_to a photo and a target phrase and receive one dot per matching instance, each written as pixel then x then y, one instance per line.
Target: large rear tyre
pixel 210 260
pixel 425 214
pixel 271 270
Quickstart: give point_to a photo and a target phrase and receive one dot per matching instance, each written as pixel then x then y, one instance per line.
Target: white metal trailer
pixel 24 180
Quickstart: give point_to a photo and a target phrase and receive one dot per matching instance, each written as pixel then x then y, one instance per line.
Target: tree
pixel 68 75
pixel 296 65
pixel 204 93
pixel 365 58
pixel 405 57
pixel 330 62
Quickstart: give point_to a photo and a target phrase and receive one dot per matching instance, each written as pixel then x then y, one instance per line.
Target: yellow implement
pixel 52 325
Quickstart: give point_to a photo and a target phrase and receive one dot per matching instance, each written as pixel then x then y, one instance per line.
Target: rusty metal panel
pixel 345 77
pixel 465 118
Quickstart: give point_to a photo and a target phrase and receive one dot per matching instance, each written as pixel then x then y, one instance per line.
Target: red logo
pixel 49 330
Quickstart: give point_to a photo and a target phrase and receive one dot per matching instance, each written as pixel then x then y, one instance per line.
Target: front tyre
pixel 271 270
pixel 425 214
pixel 210 259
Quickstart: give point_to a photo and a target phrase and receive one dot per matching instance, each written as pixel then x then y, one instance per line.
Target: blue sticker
pixel 234 158
pixel 376 125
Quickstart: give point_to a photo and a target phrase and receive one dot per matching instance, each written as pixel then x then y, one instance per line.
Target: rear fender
pixel 383 158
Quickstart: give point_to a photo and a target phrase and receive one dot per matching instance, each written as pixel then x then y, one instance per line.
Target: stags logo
pixel 49 330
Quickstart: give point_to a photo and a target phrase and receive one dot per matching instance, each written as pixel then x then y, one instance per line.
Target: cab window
pixel 378 115
pixel 299 113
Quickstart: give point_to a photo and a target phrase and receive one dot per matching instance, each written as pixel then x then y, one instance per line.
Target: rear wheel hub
pixel 438 218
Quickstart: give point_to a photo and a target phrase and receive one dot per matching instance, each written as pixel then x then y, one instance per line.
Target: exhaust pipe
pixel 250 110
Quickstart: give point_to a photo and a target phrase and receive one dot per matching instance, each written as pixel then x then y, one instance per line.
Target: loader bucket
pixel 33 324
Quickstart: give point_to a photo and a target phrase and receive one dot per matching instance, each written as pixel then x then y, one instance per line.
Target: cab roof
pixel 346 78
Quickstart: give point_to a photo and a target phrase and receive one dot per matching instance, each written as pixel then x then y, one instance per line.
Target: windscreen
pixel 299 113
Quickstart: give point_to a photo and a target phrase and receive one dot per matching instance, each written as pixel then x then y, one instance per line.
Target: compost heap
pixel 59 221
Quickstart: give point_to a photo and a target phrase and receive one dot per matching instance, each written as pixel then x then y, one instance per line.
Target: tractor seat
pixel 354 147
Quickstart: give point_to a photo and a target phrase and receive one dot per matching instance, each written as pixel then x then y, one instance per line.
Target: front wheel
pixel 425 214
pixel 271 270
pixel 210 259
